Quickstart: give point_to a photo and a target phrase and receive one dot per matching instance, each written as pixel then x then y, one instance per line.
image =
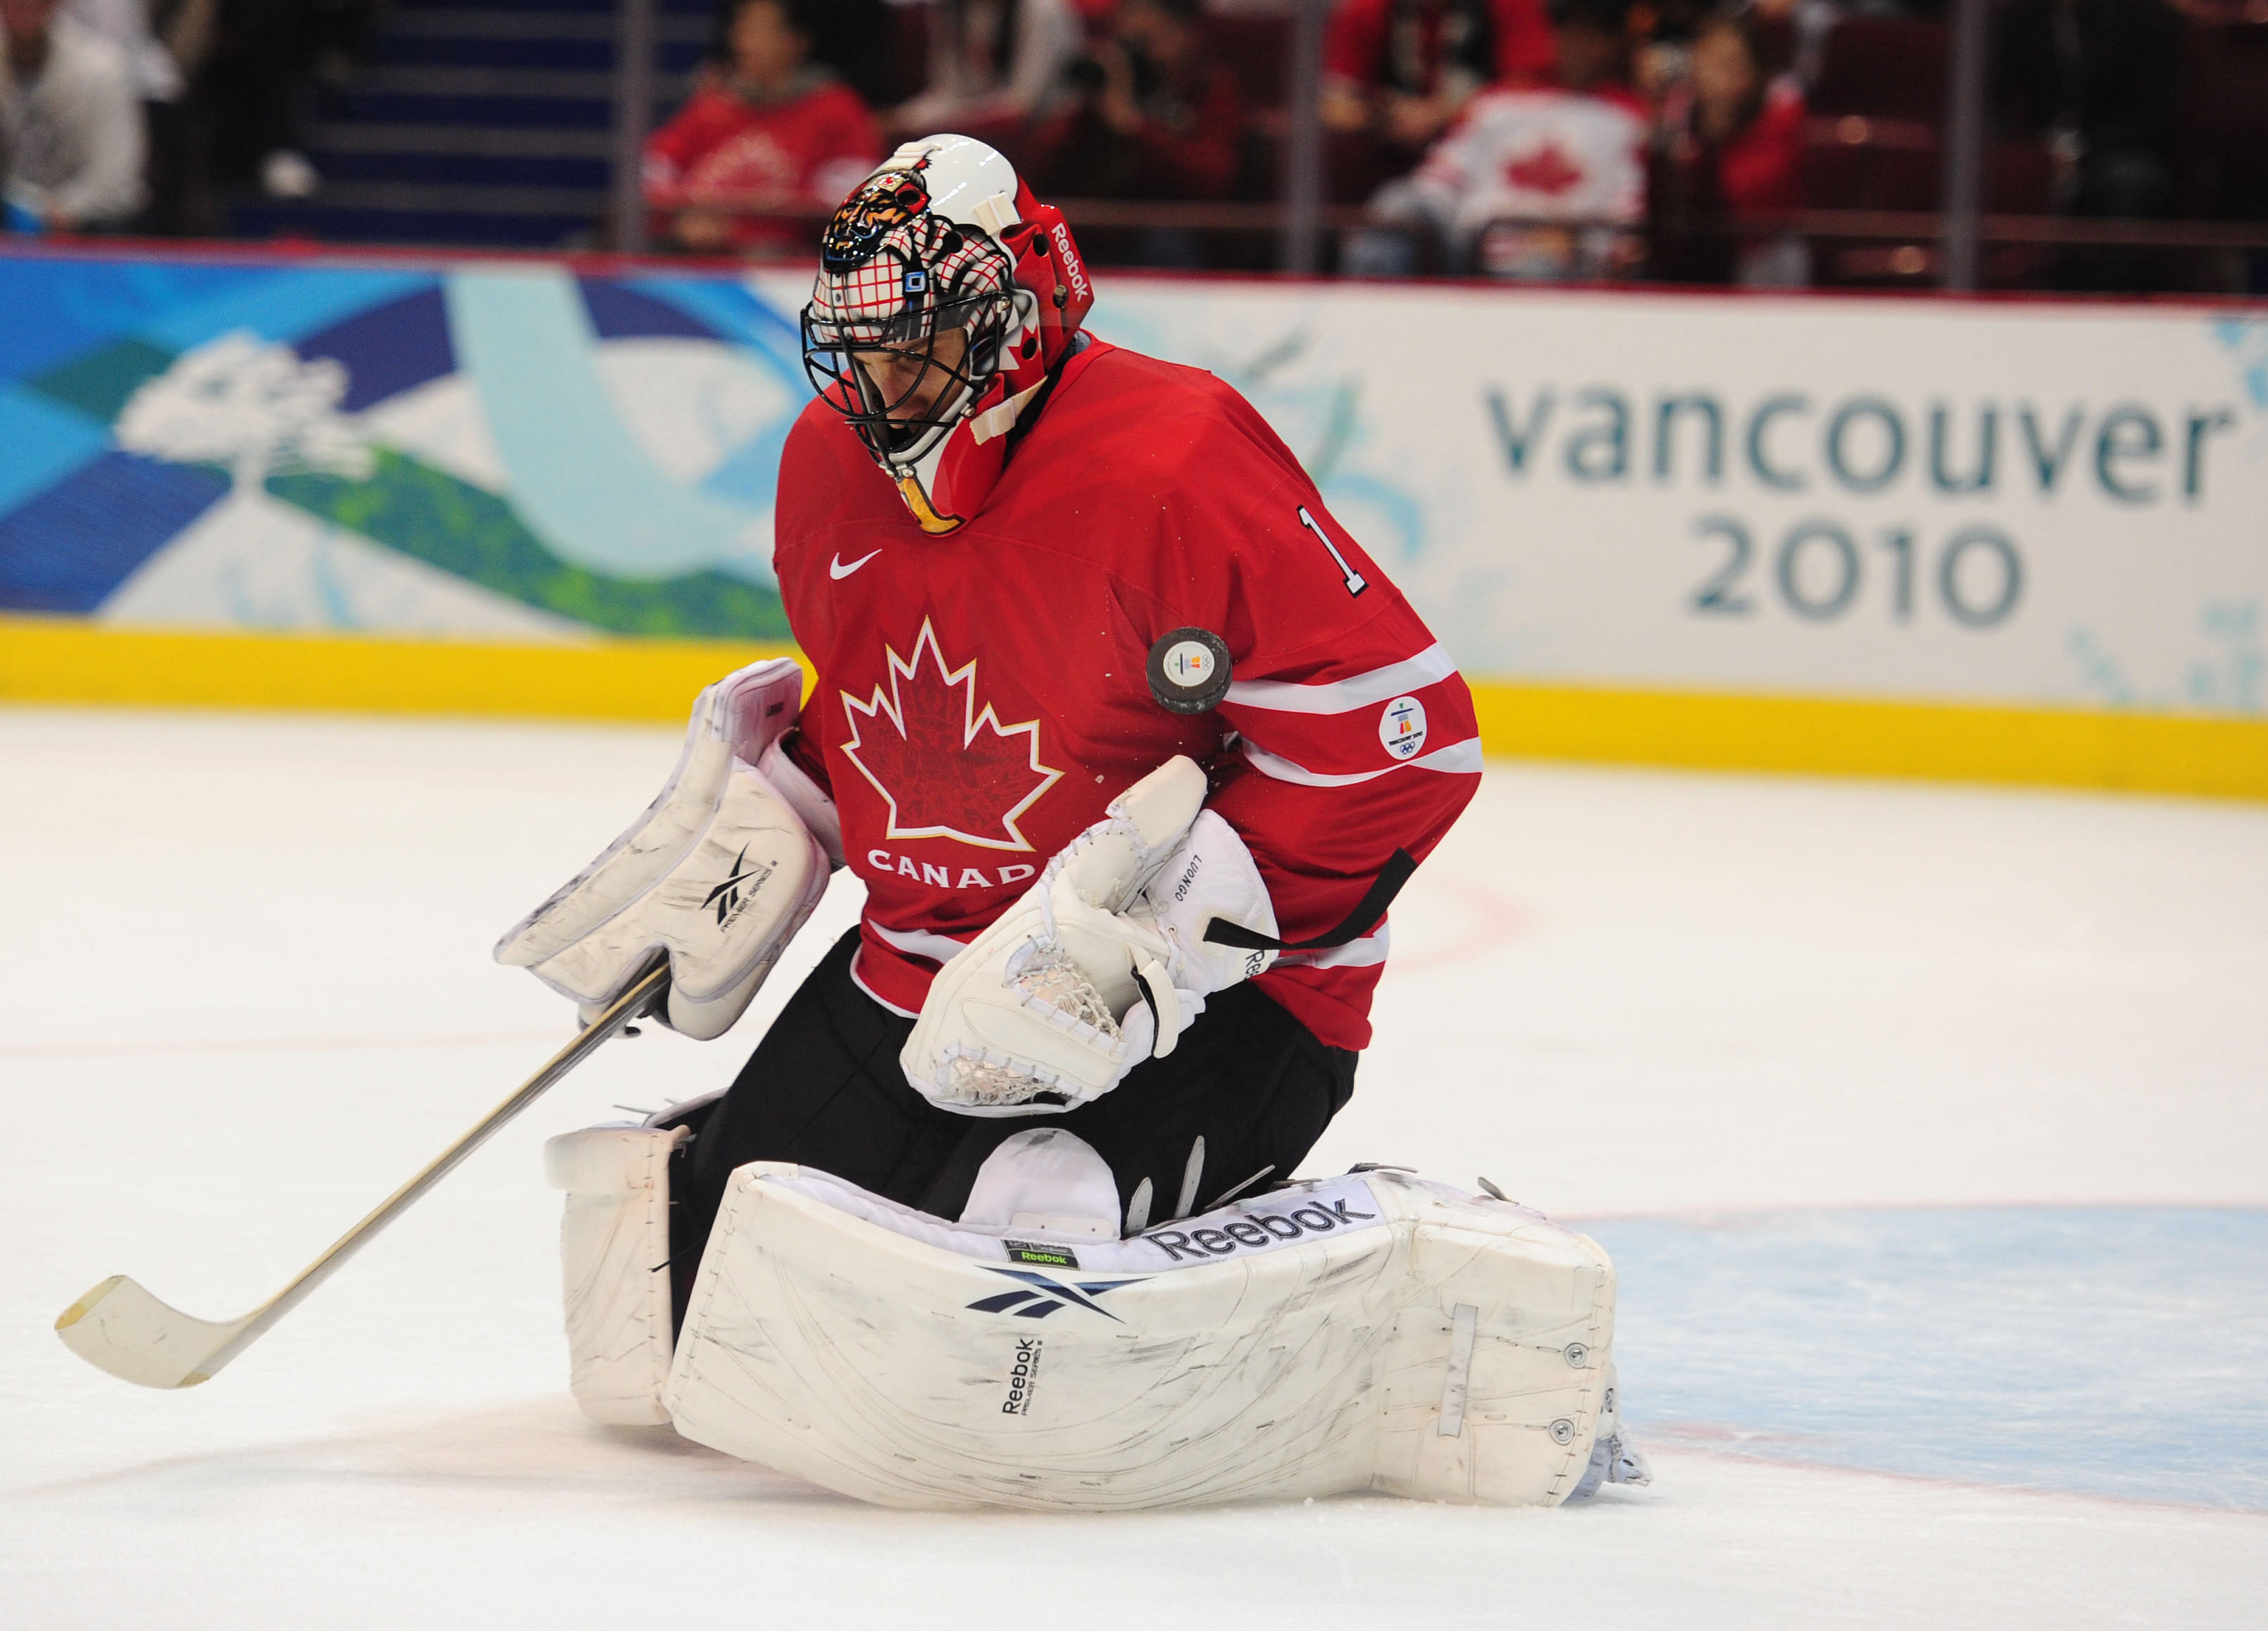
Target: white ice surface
pixel 247 964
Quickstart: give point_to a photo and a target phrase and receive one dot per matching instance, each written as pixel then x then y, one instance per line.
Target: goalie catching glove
pixel 1102 964
pixel 717 874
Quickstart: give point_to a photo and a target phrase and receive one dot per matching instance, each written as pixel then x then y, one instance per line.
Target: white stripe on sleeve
pixel 1366 952
pixel 1459 758
pixel 1339 696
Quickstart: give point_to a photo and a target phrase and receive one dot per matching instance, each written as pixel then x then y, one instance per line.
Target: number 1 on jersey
pixel 1354 579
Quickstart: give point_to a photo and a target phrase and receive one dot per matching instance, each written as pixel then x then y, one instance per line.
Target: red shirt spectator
pixel 1757 165
pixel 1753 130
pixel 1730 144
pixel 773 130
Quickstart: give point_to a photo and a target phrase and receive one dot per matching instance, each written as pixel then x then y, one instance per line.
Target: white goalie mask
pixel 943 240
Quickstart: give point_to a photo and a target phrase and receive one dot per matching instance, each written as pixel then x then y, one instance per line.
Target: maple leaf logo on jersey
pixel 1547 171
pixel 947 769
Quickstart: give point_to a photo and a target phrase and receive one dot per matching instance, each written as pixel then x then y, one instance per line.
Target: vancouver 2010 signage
pixel 2010 502
pixel 2022 504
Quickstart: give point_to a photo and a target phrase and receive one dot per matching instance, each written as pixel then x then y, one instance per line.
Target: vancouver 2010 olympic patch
pixel 1402 727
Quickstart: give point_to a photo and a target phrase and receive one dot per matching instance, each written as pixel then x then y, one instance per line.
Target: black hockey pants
pixel 823 1089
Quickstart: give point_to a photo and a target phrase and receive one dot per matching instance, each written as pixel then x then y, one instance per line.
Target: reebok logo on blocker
pixel 730 898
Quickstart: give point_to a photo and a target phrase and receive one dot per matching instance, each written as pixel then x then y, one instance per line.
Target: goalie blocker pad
pixel 1374 1331
pixel 718 874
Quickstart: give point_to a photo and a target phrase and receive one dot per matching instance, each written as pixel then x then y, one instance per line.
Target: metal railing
pixel 1289 218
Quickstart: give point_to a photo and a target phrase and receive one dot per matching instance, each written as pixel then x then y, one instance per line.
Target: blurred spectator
pixel 158 82
pixel 855 38
pixel 2099 80
pixel 1404 69
pixel 993 65
pixel 255 90
pixel 343 36
pixel 1543 183
pixel 70 122
pixel 126 25
pixel 1728 144
pixel 774 129
pixel 1811 21
pixel 1157 118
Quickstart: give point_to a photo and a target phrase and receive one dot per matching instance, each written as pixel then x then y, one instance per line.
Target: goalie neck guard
pixel 943 257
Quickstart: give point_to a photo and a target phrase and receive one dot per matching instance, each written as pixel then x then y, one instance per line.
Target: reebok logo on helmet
pixel 1069 256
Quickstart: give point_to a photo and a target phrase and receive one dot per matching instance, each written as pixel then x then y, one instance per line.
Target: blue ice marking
pixel 2112 1351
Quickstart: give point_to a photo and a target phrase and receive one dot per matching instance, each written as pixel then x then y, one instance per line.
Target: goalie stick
pixel 120 1328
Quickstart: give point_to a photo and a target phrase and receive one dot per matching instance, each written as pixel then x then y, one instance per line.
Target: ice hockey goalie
pixel 1003 1209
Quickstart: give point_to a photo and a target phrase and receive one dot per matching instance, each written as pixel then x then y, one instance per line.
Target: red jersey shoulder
pixel 827 477
pixel 820 439
pixel 1226 495
pixel 1152 422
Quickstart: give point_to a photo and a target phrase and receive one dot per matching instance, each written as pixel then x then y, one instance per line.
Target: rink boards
pixel 1998 540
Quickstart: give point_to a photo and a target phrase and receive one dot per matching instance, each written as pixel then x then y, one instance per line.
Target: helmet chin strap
pixel 917 479
pixel 975 469
pixel 909 488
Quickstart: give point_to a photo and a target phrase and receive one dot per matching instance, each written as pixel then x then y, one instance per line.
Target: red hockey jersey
pixel 982 695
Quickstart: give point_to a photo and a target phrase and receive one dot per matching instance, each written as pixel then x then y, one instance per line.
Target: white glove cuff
pixel 718 873
pixel 1210 874
pixel 807 798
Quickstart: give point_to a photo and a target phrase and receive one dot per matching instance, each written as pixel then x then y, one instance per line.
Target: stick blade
pixel 120 1328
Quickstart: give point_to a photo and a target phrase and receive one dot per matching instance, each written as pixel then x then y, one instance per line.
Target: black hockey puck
pixel 1188 671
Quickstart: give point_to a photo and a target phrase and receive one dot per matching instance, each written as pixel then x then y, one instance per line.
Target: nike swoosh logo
pixel 836 568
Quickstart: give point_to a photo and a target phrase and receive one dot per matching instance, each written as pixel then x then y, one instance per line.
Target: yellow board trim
pixel 69 660
pixel 66 660
pixel 1835 735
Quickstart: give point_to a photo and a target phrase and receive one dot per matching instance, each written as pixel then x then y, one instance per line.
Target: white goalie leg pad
pixel 718 874
pixel 1373 1331
pixel 1061 996
pixel 614 1254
